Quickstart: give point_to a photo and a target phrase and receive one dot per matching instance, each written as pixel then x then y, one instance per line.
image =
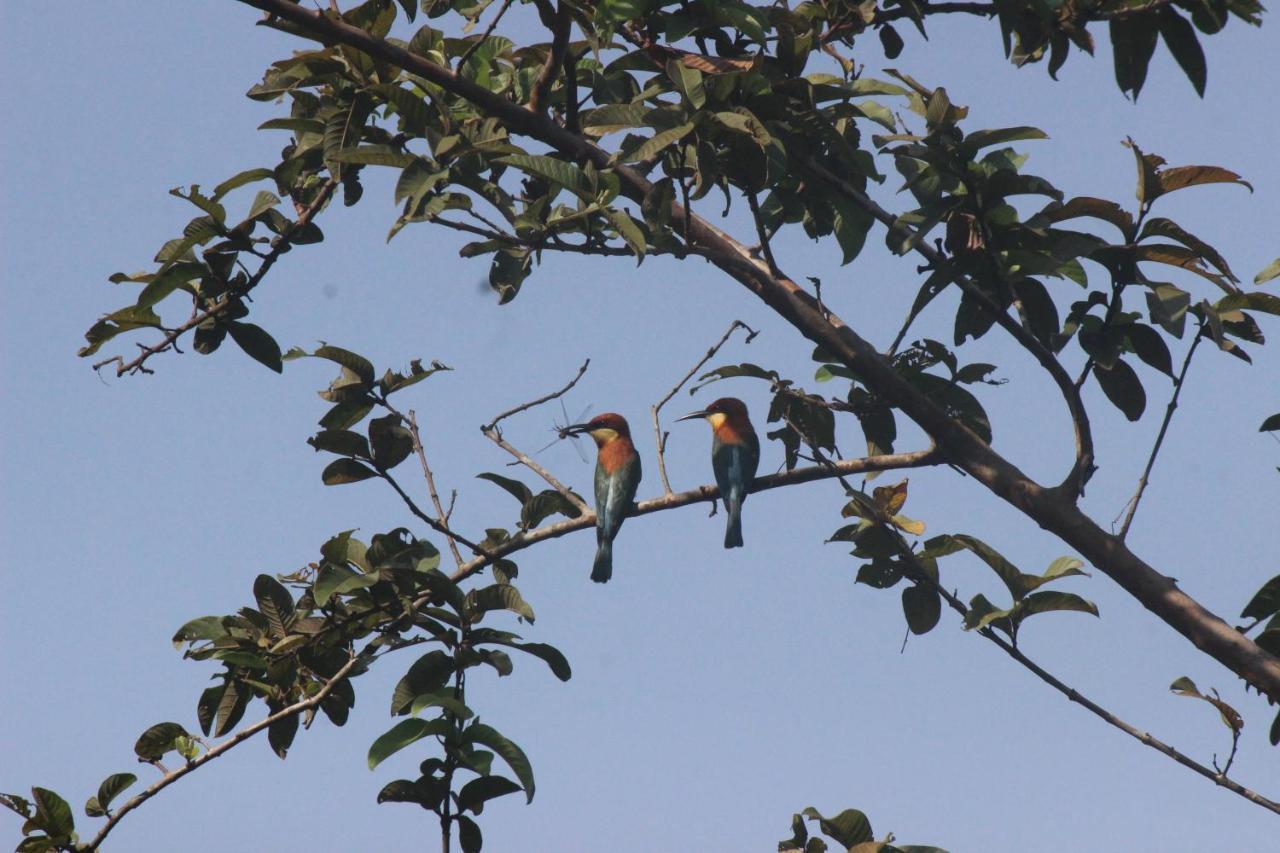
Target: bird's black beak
pixel 694 415
pixel 576 429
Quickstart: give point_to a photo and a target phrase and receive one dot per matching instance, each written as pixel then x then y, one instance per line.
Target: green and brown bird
pixel 617 476
pixel 735 455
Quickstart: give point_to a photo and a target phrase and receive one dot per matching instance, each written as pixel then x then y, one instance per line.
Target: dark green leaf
pixel 111 788
pixel 274 602
pixel 53 814
pixel 403 734
pixel 1267 600
pixel 1133 41
pixel 256 343
pixel 390 441
pixel 477 792
pixel 512 754
pixel 281 733
pixel 157 740
pixel 850 827
pixel 427 675
pixel 513 487
pixel 341 441
pixel 922 606
pixel 1150 347
pixel 1046 601
pixel 1180 38
pixel 497 597
pixel 341 471
pixel 469 837
pixel 1123 388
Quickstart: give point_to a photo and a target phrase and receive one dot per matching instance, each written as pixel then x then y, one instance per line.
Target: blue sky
pixel 714 692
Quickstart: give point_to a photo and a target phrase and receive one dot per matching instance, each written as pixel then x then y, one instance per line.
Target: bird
pixel 735 455
pixel 617 476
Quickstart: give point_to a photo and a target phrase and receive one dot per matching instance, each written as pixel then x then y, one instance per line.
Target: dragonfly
pixel 561 430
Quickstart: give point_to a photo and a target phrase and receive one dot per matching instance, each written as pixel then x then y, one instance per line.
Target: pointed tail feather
pixel 733 527
pixel 602 569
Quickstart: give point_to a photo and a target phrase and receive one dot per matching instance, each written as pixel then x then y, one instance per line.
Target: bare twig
pixel 659 436
pixel 279 246
pixel 1217 776
pixel 431 486
pixel 538 402
pixel 228 744
pixel 436 525
pixel 1132 505
pixel 495 435
pixel 705 494
pixel 488 31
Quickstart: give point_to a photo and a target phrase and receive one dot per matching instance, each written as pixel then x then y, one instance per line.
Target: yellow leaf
pixel 909 525
pixel 890 498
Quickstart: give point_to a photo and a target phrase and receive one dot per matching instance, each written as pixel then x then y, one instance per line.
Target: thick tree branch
pixel 556 19
pixel 1052 508
pixel 219 750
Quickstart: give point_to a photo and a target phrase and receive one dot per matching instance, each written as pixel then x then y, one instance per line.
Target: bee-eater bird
pixel 735 455
pixel 617 476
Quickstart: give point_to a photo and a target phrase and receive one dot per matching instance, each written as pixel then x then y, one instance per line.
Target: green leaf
pixel 628 230
pixel 390 441
pixel 1008 572
pixel 1133 41
pixel 341 441
pixel 248 176
pixel 613 117
pixel 262 202
pixel 274 602
pixel 979 139
pixel 357 364
pixel 477 792
pixel 202 628
pixel 1047 601
pixel 158 740
pixel 658 142
pixel 426 676
pixel 850 827
pixel 403 734
pixel 53 814
pixel 280 734
pixel 1180 37
pixel 512 754
pixel 1267 600
pixel 256 343
pixel 1230 716
pixel 550 654
pixel 513 487
pixel 556 171
pixel 1123 388
pixel 110 789
pixel 469 838
pixel 344 415
pixel 689 81
pixel 375 155
pixel 1150 347
pixel 341 471
pixel 922 606
pixel 1168 306
pixel 1268 272
pixel 983 613
pixel 499 596
pixel 166 282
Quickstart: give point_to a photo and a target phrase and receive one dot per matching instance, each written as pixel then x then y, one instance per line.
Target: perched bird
pixel 735 455
pixel 617 476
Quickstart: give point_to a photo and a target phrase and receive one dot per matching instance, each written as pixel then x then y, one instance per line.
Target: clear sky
pixel 714 692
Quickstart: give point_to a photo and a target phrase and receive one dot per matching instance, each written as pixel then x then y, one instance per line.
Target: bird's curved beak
pixel 576 429
pixel 694 415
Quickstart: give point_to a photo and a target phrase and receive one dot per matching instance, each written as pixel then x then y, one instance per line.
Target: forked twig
pixel 488 31
pixel 659 436
pixel 538 402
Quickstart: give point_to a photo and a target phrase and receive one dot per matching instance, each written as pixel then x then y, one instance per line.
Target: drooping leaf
pixel 403 734
pixel 256 343
pixel 514 756
pixel 1123 388
pixel 341 471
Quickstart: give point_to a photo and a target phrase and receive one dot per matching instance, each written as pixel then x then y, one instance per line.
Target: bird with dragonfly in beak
pixel 735 456
pixel 617 477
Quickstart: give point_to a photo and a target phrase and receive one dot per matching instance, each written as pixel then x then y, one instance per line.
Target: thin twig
pixel 705 494
pixel 431 486
pixel 495 435
pixel 438 526
pixel 538 402
pixel 228 744
pixel 488 31
pixel 761 232
pixel 658 435
pixel 279 246
pixel 1218 777
pixel 1164 427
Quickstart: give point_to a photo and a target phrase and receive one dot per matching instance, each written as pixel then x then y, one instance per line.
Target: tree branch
pixel 229 744
pixel 1052 508
pixel 705 494
pixel 555 18
pixel 431 485
pixel 1164 428
pixel 279 246
pixel 488 31
pixel 659 436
